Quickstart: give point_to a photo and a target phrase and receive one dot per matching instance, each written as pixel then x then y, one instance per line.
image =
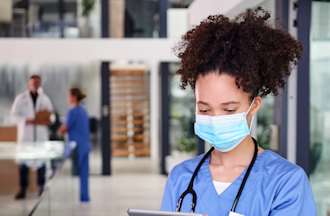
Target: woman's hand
pixel 62 130
pixel 30 121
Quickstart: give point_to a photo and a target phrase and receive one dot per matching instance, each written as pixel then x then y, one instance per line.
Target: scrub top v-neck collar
pixel 231 191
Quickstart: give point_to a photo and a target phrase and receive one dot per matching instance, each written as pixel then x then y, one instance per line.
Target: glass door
pixel 319 105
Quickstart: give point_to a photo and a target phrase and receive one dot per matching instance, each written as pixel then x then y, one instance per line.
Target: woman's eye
pixel 203 111
pixel 230 110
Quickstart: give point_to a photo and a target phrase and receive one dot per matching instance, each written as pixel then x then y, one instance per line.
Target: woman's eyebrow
pixel 203 103
pixel 223 104
pixel 230 103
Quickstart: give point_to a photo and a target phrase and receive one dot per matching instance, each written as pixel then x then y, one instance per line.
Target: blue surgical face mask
pixel 223 132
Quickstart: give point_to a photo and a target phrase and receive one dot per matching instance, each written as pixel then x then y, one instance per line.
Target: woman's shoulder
pixel 186 167
pixel 290 185
pixel 272 163
pixel 82 109
pixel 269 163
pixel 72 110
pixel 77 109
pixel 268 160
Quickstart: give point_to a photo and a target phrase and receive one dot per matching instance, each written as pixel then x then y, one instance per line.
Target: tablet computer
pixel 141 212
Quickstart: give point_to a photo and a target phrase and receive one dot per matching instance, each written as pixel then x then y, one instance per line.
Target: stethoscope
pixel 190 190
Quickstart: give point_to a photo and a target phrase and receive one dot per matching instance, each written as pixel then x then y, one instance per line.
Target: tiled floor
pixel 134 184
pixel 9 207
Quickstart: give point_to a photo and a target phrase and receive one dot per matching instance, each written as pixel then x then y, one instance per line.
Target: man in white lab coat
pixel 31 111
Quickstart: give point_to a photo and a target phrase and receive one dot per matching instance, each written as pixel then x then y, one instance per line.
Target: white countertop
pixel 31 150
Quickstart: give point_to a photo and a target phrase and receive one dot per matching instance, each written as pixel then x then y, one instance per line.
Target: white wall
pixel 177 22
pixel 201 9
pixel 84 50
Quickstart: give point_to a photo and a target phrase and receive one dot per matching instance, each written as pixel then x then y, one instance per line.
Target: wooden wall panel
pixel 130 118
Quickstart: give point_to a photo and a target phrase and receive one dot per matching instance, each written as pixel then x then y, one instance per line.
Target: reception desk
pixel 8 133
pixel 8 167
pixel 32 154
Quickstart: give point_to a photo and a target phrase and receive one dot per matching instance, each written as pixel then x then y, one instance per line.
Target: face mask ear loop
pixel 250 106
pixel 250 126
pixel 252 120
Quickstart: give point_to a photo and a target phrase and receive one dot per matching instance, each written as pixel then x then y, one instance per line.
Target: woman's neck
pixel 239 156
pixel 74 105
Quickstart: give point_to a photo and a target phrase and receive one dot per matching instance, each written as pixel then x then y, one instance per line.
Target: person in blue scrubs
pixel 77 127
pixel 231 64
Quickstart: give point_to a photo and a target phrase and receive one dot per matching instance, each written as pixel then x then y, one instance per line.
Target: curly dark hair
pixel 246 47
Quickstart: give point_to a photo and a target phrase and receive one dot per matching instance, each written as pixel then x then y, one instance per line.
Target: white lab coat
pixel 23 109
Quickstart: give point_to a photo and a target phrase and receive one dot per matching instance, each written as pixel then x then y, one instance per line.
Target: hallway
pixel 134 184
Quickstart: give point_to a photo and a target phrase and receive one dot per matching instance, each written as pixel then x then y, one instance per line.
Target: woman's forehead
pixel 218 88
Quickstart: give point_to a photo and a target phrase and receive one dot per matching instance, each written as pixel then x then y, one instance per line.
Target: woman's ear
pixel 257 102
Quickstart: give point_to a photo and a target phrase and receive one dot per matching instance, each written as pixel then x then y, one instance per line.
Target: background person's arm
pixel 62 130
pixel 17 113
pixel 48 104
pixel 70 121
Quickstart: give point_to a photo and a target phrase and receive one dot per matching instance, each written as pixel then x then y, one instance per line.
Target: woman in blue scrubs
pixel 77 127
pixel 231 65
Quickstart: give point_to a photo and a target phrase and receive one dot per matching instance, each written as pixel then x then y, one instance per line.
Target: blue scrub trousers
pixel 83 165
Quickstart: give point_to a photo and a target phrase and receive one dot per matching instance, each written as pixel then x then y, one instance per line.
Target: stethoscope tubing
pixel 190 188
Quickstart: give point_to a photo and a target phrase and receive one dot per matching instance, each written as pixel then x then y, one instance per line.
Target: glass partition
pixel 182 115
pixel 50 19
pixel 182 140
pixel 32 154
pixel 319 105
pixel 58 197
pixel 57 79
pixel 267 132
pixel 82 18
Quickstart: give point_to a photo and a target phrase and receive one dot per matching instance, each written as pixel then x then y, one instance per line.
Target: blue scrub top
pixel 77 123
pixel 275 187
